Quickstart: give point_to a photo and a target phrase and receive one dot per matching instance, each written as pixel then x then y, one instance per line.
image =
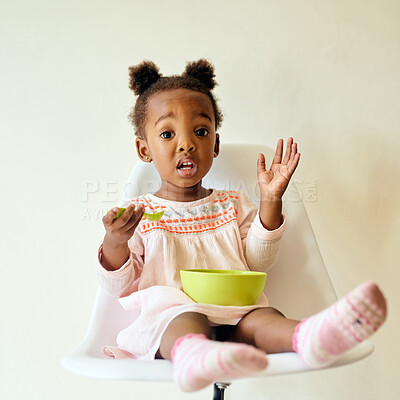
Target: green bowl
pixel 223 287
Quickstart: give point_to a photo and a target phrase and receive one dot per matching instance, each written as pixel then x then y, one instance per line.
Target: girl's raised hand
pixel 273 182
pixel 119 231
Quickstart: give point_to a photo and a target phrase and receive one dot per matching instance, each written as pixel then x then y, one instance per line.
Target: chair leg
pixel 219 390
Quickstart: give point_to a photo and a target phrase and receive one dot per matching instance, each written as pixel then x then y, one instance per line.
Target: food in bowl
pixel 223 287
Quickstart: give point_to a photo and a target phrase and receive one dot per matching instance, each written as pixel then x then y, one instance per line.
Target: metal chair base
pixel 219 390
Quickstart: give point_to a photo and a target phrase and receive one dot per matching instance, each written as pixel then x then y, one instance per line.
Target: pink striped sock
pixel 199 361
pixel 323 338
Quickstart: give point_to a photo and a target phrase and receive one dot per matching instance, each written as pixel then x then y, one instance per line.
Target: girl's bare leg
pixel 183 324
pixel 267 329
pixel 198 361
pixel 322 338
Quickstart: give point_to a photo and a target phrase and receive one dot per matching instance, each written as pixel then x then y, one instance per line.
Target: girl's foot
pixel 199 361
pixel 322 339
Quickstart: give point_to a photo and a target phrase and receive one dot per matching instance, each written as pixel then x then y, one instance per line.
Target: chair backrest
pixel 299 284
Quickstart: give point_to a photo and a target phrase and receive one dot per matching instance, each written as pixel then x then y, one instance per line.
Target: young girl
pixel 176 120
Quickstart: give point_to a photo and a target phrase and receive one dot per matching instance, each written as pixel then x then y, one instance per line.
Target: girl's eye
pixel 201 132
pixel 166 135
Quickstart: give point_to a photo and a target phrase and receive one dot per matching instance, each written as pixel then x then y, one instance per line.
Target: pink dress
pixel 220 231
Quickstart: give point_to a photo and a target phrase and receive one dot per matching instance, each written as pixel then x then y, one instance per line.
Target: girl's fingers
pixel 288 151
pixel 109 217
pixel 293 164
pixel 278 153
pixel 136 222
pixel 261 163
pixel 138 215
pixel 125 216
pixel 293 152
pixel 124 219
pixel 132 215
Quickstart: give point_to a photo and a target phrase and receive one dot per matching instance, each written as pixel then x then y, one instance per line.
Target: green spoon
pixel 155 216
pixel 151 217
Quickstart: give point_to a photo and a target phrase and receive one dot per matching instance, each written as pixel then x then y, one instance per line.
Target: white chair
pixel 298 285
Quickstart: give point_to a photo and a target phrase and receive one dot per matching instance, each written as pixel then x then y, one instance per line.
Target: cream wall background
pixel 325 72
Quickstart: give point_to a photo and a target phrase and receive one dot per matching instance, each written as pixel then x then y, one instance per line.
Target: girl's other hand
pixel 119 231
pixel 273 182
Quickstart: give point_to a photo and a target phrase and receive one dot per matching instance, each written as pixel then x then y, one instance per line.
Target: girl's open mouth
pixel 187 169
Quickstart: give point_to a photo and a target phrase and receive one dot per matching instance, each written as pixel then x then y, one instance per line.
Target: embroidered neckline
pixel 207 214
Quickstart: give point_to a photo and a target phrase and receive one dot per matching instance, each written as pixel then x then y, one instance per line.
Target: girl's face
pixel 180 139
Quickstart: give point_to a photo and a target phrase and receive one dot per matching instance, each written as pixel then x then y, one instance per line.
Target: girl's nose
pixel 186 148
pixel 186 145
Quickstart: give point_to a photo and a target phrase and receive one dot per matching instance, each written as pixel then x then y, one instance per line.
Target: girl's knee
pixel 181 325
pixel 274 311
pixel 192 316
pixel 190 322
pixel 264 312
pixel 256 319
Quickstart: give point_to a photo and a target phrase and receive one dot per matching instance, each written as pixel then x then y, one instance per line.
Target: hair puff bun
pixel 142 76
pixel 203 71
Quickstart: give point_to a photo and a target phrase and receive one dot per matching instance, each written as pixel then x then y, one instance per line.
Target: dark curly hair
pixel 145 80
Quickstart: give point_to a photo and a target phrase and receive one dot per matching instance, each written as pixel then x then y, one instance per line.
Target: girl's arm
pixel 118 232
pixel 124 280
pixel 114 256
pixel 260 245
pixel 261 240
pixel 273 182
pixel 271 214
pixel 119 265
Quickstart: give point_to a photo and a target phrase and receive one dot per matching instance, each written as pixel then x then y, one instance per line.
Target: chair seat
pixel 88 360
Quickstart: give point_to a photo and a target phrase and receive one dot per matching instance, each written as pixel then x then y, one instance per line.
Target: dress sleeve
pixel 125 280
pixel 260 245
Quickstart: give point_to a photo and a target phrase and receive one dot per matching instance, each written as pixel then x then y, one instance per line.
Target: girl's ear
pixel 216 147
pixel 143 150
